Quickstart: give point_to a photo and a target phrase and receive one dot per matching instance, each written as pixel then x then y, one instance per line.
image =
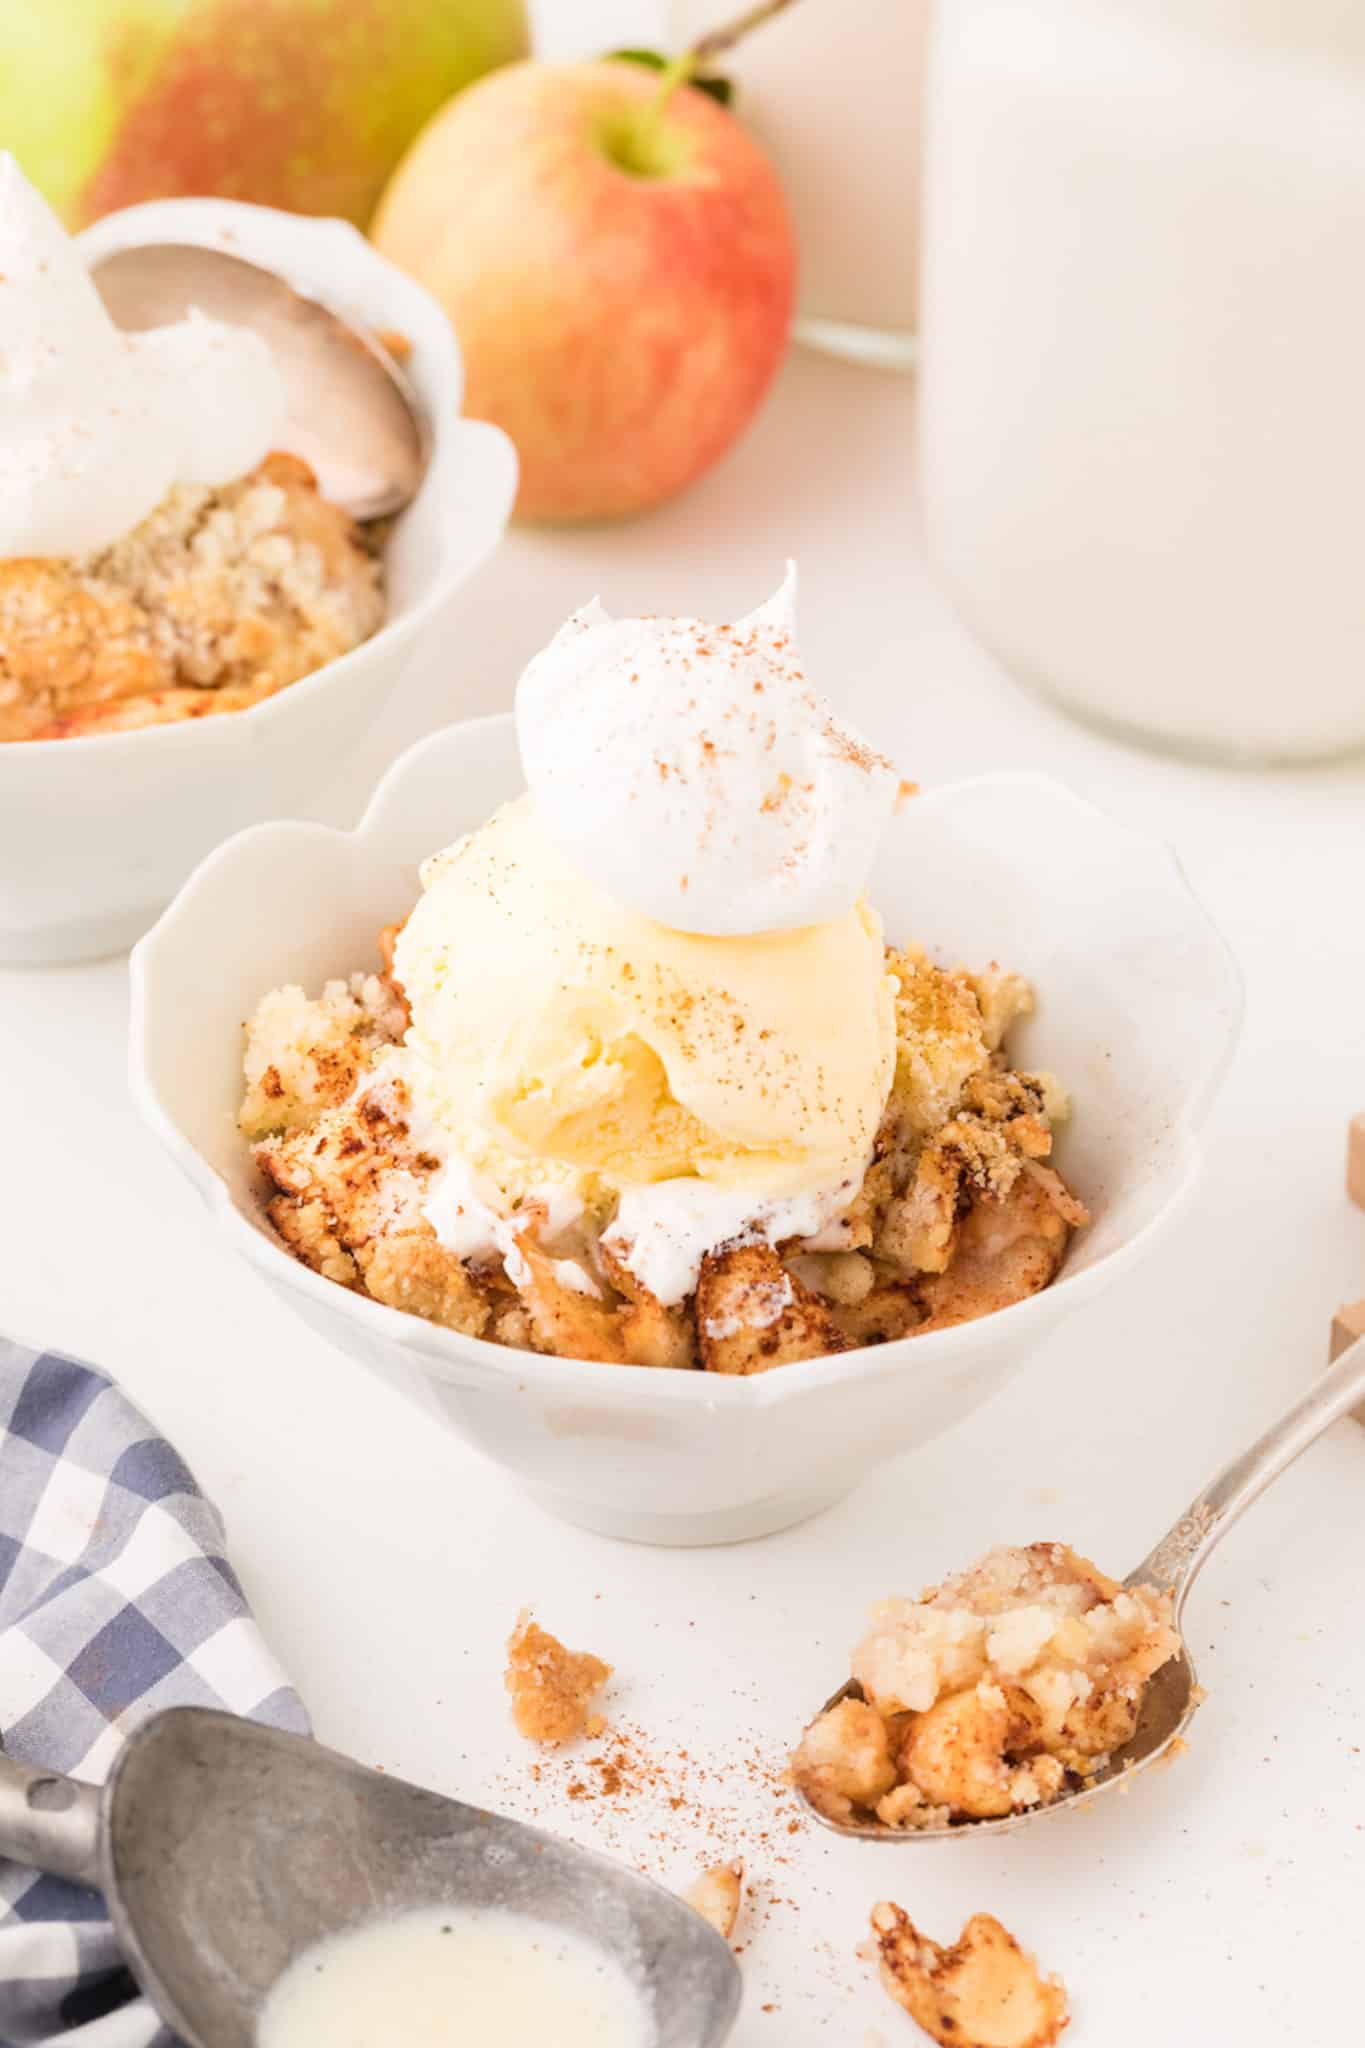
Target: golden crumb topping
pixel 303 1056
pixel 940 1039
pixel 552 1688
pixel 221 597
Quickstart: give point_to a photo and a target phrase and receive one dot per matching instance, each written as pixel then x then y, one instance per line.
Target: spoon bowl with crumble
pixel 1032 1682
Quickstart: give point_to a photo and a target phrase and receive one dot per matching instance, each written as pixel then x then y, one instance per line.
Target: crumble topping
pixel 941 1041
pixel 304 1056
pixel 983 1992
pixel 552 1688
pixel 992 1693
pixel 221 597
pixel 957 1215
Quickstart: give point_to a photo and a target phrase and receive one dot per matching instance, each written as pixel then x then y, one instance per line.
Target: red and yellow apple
pixel 305 104
pixel 619 267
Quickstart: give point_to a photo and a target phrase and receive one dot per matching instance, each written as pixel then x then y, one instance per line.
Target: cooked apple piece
pixel 752 1314
pixel 843 1762
pixel 983 1992
pixel 717 1895
pixel 1006 1250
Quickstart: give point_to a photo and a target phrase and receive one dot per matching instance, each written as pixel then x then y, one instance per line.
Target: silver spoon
pixel 225 1849
pixel 1173 1694
pixel 353 416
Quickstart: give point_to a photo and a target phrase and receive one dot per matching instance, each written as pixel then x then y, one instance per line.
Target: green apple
pixel 305 104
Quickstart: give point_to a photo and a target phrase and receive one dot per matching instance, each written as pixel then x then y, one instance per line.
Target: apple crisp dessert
pixel 221 597
pixel 958 1214
pixel 992 1693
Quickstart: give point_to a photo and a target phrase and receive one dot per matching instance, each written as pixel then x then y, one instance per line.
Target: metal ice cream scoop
pixel 352 414
pixel 1173 1693
pixel 225 1849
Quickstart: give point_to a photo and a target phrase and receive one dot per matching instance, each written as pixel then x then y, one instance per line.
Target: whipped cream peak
pixel 776 614
pixel 692 773
pixel 96 425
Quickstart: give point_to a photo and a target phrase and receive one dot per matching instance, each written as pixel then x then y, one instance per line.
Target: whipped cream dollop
pixel 693 774
pixel 96 425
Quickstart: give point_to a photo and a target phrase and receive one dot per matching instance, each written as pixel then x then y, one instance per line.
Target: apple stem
pixel 713 44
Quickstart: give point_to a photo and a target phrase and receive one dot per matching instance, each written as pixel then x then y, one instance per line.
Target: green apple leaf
pixel 722 90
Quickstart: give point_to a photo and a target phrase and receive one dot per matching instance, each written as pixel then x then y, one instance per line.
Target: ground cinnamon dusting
pixel 666 1808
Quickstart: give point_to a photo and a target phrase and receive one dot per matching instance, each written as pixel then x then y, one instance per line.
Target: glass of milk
pixel 1143 406
pixel 833 89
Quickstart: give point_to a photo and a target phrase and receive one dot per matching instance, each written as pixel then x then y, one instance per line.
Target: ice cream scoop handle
pixel 49 1821
pixel 1182 1551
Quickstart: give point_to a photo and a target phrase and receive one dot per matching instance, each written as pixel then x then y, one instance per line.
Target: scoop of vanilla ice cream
pixel 693 773
pixel 97 425
pixel 558 1032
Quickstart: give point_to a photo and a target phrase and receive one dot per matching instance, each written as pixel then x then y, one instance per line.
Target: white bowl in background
pixel 96 834
pixel 1139 1009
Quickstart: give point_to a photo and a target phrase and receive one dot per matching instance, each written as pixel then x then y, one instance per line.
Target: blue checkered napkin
pixel 115 1599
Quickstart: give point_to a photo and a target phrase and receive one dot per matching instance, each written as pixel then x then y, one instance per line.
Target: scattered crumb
pixel 717 1895
pixel 983 1992
pixel 669 1808
pixel 551 1687
pixel 677 1797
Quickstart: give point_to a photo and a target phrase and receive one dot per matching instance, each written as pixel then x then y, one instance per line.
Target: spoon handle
pixel 1178 1557
pixel 49 1821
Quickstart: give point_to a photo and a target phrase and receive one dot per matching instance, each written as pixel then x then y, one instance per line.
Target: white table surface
pixel 387 1562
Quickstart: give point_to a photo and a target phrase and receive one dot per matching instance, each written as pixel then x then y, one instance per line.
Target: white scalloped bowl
pixel 1139 1009
pixel 97 834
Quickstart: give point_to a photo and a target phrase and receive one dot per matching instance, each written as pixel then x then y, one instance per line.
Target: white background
pixel 387 1563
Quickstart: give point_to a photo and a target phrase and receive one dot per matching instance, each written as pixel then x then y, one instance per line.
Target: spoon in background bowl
pixel 353 416
pixel 1173 1693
